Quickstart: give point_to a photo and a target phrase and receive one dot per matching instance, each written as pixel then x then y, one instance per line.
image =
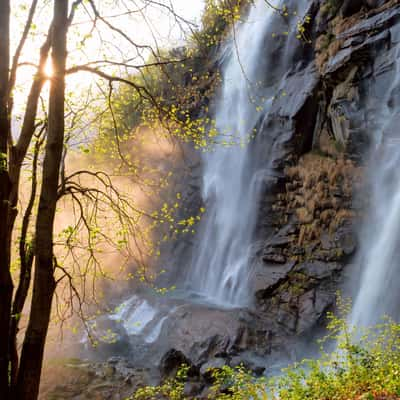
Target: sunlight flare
pixel 48 68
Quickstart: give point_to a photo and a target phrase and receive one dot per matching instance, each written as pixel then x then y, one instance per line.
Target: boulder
pixel 211 366
pixel 172 361
pixel 205 332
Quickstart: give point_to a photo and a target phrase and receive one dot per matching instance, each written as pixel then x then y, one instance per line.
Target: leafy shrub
pixel 365 365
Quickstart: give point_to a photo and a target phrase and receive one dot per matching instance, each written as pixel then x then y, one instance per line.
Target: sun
pixel 48 68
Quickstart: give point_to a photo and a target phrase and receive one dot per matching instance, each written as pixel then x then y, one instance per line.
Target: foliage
pixel 365 365
pixel 171 389
pixel 218 16
pixel 229 383
pixel 181 88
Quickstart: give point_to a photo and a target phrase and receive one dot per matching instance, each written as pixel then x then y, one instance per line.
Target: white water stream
pixel 231 186
pixel 379 292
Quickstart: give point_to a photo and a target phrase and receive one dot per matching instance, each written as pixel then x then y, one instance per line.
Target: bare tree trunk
pixel 6 285
pixel 44 283
pixel 26 256
pixel 9 183
pixel 16 158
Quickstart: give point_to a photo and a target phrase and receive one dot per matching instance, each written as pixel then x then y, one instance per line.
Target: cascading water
pixel 380 254
pixel 219 265
pixel 232 177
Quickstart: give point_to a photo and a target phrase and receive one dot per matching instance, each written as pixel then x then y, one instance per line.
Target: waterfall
pixel 233 175
pixel 379 292
pixel 258 57
pixel 219 270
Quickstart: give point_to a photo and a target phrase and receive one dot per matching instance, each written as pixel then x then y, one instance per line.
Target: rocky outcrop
pixel 307 230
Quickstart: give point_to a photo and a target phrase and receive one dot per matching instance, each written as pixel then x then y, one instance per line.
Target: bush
pixel 365 365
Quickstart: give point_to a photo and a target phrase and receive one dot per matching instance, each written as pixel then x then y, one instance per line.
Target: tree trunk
pixel 44 283
pixel 18 152
pixel 26 255
pixel 6 285
pixel 17 156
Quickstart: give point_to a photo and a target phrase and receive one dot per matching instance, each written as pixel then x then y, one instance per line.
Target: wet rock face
pixel 306 234
pixel 300 263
